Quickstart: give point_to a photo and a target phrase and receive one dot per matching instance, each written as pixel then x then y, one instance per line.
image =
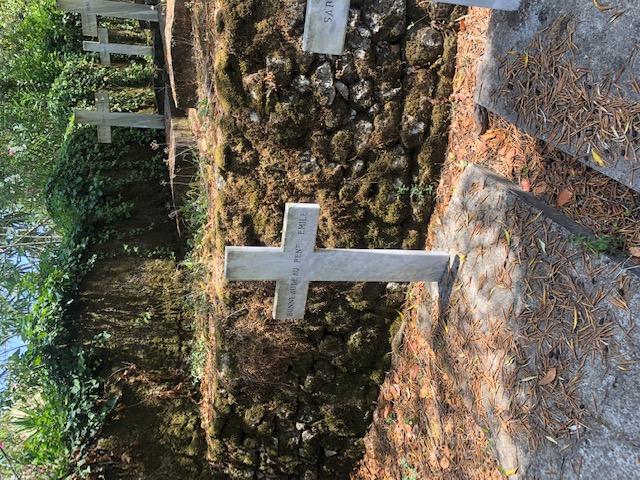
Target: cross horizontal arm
pixel 119 119
pixel 493 4
pixel 108 8
pixel 255 263
pixel 347 265
pixel 119 48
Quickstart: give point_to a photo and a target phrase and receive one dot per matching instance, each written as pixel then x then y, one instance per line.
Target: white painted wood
pixel 104 119
pixel 108 8
pixel 89 25
pixel 325 26
pixel 493 4
pixel 105 48
pixel 120 119
pixel 103 40
pixel 297 262
pixel 102 107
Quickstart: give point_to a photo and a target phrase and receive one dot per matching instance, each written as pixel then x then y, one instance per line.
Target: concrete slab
pixel 568 72
pixel 541 336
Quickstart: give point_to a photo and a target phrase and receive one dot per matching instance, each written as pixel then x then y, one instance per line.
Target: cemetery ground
pixel 423 427
pixel 521 361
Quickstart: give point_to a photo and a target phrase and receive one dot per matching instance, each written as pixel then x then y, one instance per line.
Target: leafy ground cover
pixel 86 203
pixel 49 396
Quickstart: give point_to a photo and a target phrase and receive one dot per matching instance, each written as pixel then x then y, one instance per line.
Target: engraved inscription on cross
pixel 297 262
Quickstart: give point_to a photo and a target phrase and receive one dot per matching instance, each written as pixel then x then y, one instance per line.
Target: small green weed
pixel 198 359
pixel 410 472
pixel 604 243
pixel 143 319
pixel 417 192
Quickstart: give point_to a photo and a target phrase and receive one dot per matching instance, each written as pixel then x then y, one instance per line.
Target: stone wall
pixel 363 135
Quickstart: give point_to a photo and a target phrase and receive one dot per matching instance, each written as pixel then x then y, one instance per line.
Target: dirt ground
pixel 422 429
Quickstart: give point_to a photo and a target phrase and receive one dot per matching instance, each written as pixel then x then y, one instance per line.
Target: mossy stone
pixel 342 145
pixel 228 81
pixel 424 45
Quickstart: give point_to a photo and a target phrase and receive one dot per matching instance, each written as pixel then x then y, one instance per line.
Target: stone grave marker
pixel 106 49
pixel 105 119
pixel 493 4
pixel 297 262
pixel 107 8
pixel 325 26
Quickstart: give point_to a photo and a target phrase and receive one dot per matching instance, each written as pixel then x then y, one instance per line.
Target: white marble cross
pixel 296 262
pixel 108 8
pixel 106 49
pixel 493 4
pixel 105 119
pixel 325 26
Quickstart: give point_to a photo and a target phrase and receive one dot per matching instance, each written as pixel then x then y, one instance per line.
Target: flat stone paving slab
pixel 542 336
pixel 569 72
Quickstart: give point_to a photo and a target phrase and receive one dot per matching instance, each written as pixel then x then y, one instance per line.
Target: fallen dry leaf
pixel 386 411
pixel 395 391
pixel 481 147
pixel 549 377
pixel 490 135
pixel 602 8
pixel 597 158
pixel 635 251
pixel 563 197
pixel 424 392
pixel 540 187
